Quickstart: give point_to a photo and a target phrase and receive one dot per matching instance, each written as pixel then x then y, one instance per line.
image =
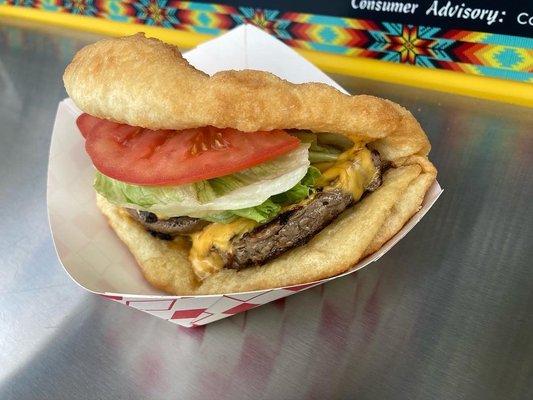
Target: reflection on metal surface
pixel 445 315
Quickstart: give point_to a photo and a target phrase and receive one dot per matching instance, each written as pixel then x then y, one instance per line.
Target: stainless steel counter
pixel 447 314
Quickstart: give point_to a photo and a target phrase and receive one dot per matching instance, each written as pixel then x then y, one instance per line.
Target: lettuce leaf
pixel 322 152
pixel 200 199
pixel 261 213
pixel 242 190
pixel 271 207
pixel 301 190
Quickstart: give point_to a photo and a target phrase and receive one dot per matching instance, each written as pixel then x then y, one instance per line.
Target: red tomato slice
pixel 86 123
pixel 164 157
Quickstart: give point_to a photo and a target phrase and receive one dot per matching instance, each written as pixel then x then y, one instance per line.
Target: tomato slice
pixel 166 157
pixel 86 123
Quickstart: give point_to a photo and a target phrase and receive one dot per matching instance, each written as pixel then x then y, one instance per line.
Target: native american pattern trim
pixel 477 53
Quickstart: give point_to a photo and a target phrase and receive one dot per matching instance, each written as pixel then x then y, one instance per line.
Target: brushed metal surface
pixel 447 314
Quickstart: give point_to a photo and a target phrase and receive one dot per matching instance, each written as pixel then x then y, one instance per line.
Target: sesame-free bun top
pixel 145 82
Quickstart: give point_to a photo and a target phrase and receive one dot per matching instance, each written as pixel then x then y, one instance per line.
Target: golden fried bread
pixel 145 82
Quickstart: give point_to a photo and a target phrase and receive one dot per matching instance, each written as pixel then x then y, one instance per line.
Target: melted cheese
pixel 204 260
pixel 352 172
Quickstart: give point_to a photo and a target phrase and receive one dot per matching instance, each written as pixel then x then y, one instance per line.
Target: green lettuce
pixel 146 198
pixel 262 213
pixel 271 207
pixel 301 190
pixel 322 152
pixel 242 190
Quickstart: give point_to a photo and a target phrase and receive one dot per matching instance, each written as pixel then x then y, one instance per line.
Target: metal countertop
pixel 447 314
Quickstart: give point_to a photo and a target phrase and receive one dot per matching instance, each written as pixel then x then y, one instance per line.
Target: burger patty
pixel 166 228
pixel 290 229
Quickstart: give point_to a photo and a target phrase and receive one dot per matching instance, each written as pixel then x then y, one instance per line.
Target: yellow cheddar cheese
pixel 205 261
pixel 352 172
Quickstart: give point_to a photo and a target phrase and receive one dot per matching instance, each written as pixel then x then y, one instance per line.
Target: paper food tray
pixel 88 248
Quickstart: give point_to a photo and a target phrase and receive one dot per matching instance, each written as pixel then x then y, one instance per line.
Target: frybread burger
pixel 241 180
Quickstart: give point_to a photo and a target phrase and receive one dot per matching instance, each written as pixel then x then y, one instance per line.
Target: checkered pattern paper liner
pixel 192 311
pixel 88 248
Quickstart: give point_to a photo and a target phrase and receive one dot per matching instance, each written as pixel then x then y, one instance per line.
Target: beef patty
pixel 166 228
pixel 292 228
pixel 289 229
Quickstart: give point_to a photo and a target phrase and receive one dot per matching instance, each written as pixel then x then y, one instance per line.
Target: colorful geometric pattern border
pixel 478 53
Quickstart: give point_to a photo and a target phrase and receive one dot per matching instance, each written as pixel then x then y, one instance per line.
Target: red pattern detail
pixel 454 34
pixel 185 17
pixel 449 65
pixel 240 308
pixel 196 322
pixel 299 30
pixel 468 52
pixel 171 304
pixel 304 31
pixel 369 54
pixel 358 38
pixel 108 297
pixel 221 21
pixel 369 25
pixel 291 16
pixel 183 314
pixel 409 45
pixel 261 19
pixel 294 17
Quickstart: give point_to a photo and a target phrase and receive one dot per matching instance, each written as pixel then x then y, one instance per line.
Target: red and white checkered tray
pixel 87 247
